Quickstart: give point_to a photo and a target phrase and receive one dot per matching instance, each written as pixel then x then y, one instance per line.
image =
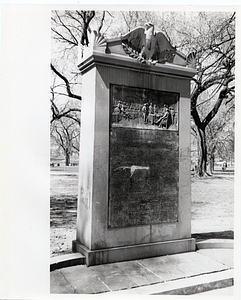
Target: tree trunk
pixel 202 149
pixel 67 158
pixel 201 125
pixel 212 160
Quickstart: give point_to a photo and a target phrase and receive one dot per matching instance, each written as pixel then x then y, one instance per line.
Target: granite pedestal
pixel 134 174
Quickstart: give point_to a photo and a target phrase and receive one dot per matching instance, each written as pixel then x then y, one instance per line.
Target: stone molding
pixel 140 251
pixel 119 61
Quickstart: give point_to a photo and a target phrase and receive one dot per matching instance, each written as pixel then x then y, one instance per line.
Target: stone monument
pixel 134 173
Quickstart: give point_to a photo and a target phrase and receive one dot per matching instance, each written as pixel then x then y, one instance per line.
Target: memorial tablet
pixel 144 157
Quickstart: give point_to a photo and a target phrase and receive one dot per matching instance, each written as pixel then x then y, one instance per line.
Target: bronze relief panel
pixel 144 157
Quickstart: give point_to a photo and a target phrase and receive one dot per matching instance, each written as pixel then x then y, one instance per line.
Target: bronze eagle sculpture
pixel 147 46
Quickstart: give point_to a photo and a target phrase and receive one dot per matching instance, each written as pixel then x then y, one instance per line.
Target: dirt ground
pixel 63 211
pixel 212 208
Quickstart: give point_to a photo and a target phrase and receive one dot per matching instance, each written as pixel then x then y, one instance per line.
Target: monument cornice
pixel 118 61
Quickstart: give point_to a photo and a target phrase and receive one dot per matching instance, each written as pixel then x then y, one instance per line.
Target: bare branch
pixel 69 92
pixel 101 21
pixel 66 114
pixel 68 37
pixel 62 38
pixel 86 16
pixel 223 94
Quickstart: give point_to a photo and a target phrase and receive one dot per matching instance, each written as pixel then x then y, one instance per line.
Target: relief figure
pixel 165 120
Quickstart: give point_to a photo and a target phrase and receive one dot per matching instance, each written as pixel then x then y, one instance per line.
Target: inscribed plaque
pixel 144 157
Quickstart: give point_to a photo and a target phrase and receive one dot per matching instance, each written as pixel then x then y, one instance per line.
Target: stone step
pixel 215 243
pixel 186 286
pixel 179 274
pixel 66 260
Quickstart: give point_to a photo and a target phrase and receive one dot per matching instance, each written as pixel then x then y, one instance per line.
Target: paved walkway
pixel 178 274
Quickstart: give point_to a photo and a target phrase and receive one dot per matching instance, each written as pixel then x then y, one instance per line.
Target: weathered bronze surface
pixel 143 108
pixel 144 159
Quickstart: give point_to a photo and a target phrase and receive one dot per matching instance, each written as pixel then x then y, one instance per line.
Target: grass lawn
pixel 212 208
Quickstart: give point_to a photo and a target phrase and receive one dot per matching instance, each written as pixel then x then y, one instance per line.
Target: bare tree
pixel 69 30
pixel 210 36
pixel 216 62
pixel 67 109
pixel 65 134
pixel 219 136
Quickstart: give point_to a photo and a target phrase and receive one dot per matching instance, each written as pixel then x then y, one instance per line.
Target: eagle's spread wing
pixel 164 50
pixel 135 39
pixel 192 59
pixel 147 46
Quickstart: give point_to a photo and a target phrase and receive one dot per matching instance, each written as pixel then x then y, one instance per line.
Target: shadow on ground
pixel 63 211
pixel 228 234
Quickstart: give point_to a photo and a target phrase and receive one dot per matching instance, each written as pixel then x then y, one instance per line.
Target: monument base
pixel 133 252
